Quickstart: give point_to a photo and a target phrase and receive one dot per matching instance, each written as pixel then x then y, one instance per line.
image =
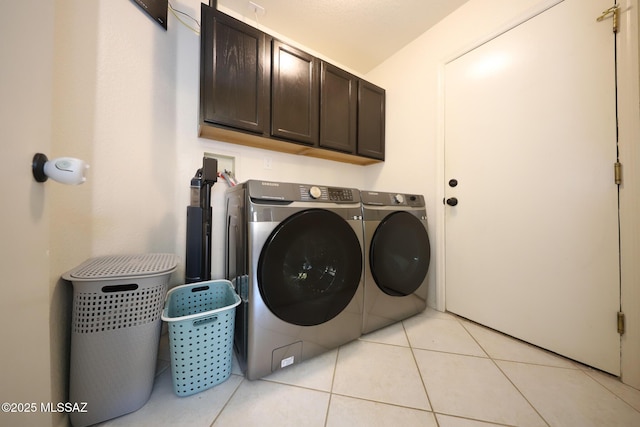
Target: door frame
pixel 629 137
pixel 629 134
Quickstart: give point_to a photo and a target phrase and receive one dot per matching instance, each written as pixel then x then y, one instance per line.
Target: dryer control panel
pixel 376 198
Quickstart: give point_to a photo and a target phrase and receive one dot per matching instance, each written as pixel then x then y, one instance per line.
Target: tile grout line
pixel 462 417
pixel 433 411
pixel 610 391
pixel 395 405
pixel 228 400
pixel 503 373
pixel 424 386
pixel 576 366
pixel 333 380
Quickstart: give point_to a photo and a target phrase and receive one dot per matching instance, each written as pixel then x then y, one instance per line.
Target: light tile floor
pixel 433 369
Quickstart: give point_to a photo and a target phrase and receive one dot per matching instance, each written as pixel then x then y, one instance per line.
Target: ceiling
pixel 357 34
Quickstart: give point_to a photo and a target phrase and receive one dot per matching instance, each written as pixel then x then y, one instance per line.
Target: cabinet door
pixel 338 109
pixel 294 95
pixel 371 116
pixel 234 80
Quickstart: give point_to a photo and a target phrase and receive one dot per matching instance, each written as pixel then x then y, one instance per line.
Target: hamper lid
pixel 120 266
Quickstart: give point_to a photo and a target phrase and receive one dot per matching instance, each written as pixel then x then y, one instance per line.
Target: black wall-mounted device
pixel 156 9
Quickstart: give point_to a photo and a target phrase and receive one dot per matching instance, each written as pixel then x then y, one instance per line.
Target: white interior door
pixel 530 137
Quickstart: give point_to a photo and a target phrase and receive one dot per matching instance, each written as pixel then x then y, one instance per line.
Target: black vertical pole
pixel 199 213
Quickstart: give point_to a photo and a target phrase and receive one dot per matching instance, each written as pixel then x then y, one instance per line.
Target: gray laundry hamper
pixel 115 332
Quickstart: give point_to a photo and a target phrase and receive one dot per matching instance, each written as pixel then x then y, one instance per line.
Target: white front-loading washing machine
pixel 294 254
pixel 397 255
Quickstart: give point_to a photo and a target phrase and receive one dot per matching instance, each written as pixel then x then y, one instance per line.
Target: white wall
pixel 25 120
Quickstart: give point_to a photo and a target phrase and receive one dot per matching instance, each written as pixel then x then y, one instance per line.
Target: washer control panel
pixel 281 192
pixel 341 194
pixel 326 194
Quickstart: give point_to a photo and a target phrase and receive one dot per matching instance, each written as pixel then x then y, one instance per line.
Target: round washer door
pixel 400 254
pixel 310 267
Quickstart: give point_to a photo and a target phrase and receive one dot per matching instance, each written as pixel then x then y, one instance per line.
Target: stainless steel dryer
pixel 397 257
pixel 294 253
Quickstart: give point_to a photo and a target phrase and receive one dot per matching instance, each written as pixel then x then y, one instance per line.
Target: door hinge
pixel 617 173
pixel 614 11
pixel 620 322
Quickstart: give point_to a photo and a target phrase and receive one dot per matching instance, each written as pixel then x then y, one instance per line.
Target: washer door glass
pixel 310 267
pixel 400 254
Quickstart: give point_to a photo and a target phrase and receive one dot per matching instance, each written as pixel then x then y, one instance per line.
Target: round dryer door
pixel 400 254
pixel 310 267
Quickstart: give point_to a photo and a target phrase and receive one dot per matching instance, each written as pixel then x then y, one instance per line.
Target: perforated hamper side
pixel 115 331
pixel 201 318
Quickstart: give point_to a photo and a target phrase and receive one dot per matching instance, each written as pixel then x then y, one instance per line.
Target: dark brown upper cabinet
pixel 260 92
pixel 294 94
pixel 338 109
pixel 235 73
pixel 371 120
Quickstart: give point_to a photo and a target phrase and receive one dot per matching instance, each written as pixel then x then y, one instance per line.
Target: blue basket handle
pixel 205 320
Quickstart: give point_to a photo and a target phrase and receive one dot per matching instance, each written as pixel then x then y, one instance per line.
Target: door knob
pixel 452 201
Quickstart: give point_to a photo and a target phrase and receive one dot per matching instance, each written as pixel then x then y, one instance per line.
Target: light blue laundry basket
pixel 201 319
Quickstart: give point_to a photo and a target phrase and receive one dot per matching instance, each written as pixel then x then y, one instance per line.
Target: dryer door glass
pixel 400 254
pixel 310 267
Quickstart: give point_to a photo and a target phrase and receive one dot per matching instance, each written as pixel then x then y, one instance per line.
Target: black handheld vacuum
pixel 198 256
